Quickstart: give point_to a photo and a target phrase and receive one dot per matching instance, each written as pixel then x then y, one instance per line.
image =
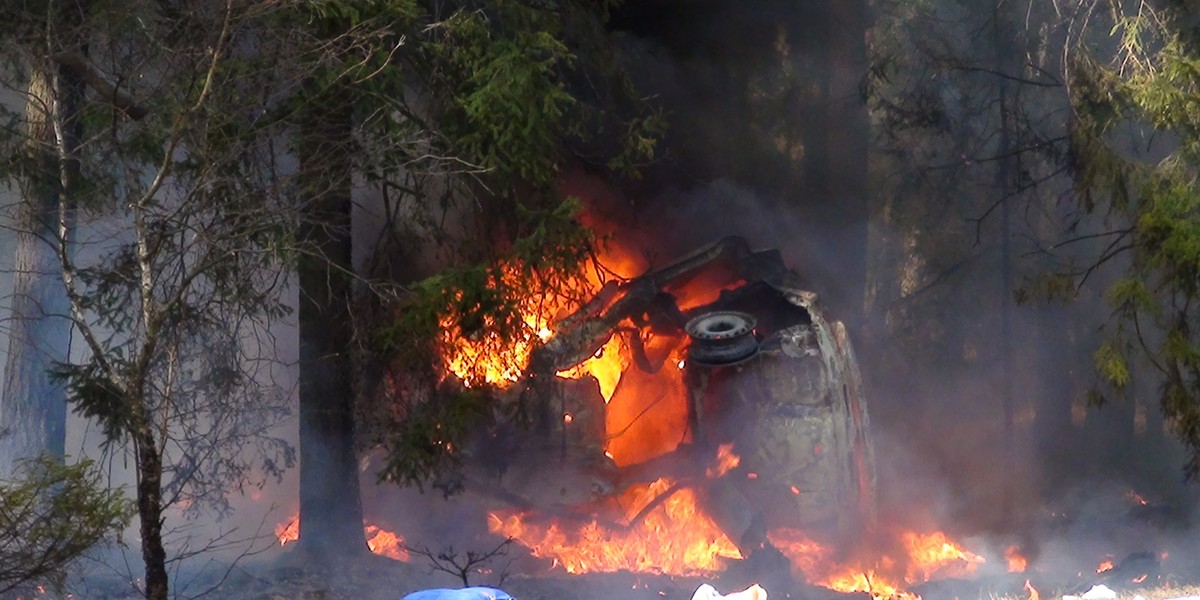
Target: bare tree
pixel 463 565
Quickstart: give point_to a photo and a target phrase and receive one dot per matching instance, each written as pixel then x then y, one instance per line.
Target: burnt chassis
pixel 794 409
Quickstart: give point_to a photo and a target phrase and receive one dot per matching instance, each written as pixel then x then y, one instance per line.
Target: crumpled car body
pixel 792 405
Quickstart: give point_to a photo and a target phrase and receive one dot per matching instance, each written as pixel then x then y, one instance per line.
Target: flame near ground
pixel 679 539
pixel 379 541
pixel 675 536
pixel 658 527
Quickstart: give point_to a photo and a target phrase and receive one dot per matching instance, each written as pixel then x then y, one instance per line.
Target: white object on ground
pixel 1098 592
pixel 708 592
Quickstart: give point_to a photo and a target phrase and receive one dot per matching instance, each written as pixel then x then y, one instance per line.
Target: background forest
pixel 232 224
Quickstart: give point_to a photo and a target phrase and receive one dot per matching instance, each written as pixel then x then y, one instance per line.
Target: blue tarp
pixel 471 593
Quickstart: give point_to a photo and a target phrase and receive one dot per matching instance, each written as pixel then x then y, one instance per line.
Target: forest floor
pixel 286 576
pixel 372 577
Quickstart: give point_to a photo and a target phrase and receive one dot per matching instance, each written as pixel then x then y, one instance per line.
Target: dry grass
pixel 1166 593
pixel 1172 592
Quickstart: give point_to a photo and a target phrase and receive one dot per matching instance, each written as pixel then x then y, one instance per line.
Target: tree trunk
pixel 149 503
pixel 33 408
pixel 1006 187
pixel 331 522
pixel 836 152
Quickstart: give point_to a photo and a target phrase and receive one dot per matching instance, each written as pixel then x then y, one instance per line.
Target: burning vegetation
pixel 680 420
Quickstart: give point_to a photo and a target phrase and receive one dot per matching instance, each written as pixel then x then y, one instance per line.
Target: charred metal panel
pixel 795 415
pixel 793 408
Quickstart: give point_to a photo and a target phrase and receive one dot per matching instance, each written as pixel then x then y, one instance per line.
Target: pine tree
pixel 1144 90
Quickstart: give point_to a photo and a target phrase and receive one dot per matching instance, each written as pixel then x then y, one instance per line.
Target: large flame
pixel 664 529
pixel 815 562
pixel 850 579
pixel 485 356
pixel 926 556
pixel 647 413
pixel 606 366
pixel 934 555
pixel 673 538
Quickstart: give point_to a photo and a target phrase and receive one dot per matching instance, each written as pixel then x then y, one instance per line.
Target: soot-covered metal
pixel 766 372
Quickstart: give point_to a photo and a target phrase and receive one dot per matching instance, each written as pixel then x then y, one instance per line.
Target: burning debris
pixel 686 419
pixel 703 419
pixel 666 533
pixel 719 354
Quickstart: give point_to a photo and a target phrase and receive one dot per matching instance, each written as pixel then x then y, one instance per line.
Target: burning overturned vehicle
pixel 703 419
pixel 697 413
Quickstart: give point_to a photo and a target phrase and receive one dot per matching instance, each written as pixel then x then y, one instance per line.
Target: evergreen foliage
pixel 513 90
pixel 1148 89
pixel 458 108
pixel 50 514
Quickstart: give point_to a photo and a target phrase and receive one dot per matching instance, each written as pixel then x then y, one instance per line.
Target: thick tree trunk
pixel 33 408
pixel 331 522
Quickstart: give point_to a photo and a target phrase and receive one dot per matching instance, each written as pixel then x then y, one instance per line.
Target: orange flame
pixel 850 581
pixel 935 554
pixel 1033 593
pixel 814 560
pixel 606 366
pixel 1017 563
pixel 385 543
pixel 484 357
pixel 1105 565
pixel 674 538
pixel 636 432
pixel 927 555
pixel 380 541
pixel 646 416
pixel 726 462
pixel 288 531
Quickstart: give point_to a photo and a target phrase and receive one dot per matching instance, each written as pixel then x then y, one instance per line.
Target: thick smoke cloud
pixel 732 76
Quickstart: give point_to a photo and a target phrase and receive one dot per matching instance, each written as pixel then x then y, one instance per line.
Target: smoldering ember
pixel 571 300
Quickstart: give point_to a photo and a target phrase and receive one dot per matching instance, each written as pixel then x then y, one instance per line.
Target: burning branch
pixel 653 504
